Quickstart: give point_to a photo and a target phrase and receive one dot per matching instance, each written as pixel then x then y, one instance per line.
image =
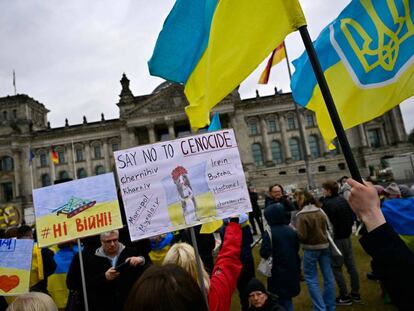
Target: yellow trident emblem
pixel 386 53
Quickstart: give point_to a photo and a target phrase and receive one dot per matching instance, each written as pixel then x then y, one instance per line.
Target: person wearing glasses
pixel 111 272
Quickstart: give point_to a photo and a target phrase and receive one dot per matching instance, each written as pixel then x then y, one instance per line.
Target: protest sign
pixel 176 184
pixel 15 265
pixel 75 209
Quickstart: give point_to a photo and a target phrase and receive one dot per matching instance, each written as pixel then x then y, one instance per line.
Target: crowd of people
pixel 162 273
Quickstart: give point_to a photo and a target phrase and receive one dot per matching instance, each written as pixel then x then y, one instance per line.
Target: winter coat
pixel 393 262
pixel 286 203
pixel 284 247
pixel 312 225
pixel 104 295
pixel 226 270
pixel 340 215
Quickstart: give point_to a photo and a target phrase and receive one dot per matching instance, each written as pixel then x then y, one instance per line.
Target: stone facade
pixel 266 128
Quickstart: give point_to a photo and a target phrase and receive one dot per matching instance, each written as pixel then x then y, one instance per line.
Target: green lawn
pixel 370 290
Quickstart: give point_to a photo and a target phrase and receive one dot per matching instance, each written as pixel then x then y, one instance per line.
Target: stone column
pixel 396 126
pixel 16 169
pixel 88 158
pixel 71 160
pixel 305 135
pixel 362 135
pixel 132 138
pixel 171 130
pixel 125 137
pixel 106 152
pixel 285 143
pixel 266 145
pixel 151 133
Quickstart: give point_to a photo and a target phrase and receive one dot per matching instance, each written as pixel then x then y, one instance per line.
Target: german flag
pixel 54 156
pixel 277 55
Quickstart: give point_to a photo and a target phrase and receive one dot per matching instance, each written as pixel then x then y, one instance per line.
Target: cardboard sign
pixel 76 209
pixel 176 184
pixel 15 264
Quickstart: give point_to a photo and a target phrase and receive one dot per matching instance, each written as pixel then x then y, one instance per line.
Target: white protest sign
pixel 176 184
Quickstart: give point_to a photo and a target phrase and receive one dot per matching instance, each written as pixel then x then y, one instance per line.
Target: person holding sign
pixel 112 271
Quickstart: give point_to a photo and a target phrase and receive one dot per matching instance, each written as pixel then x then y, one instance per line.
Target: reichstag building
pixel 267 131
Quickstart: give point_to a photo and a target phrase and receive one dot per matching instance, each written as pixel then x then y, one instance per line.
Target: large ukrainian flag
pixel 399 214
pixel 367 56
pixel 212 46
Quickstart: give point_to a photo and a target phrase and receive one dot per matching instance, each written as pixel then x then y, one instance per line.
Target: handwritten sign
pixel 181 183
pixel 15 264
pixel 75 209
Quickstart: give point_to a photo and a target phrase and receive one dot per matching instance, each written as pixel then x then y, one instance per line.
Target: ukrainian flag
pixel 399 214
pixel 212 46
pixel 367 56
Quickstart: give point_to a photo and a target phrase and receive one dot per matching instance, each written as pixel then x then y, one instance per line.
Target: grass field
pixel 370 290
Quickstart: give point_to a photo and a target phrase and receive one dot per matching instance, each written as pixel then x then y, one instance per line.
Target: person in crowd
pixel 183 254
pixel 226 271
pixel 246 257
pixel 111 272
pixel 164 288
pixel 160 245
pixel 73 277
pixel 393 261
pixel 260 299
pixel 43 264
pixel 205 242
pixel 57 288
pixel 278 195
pixel 405 191
pixel 283 245
pixel 33 301
pixel 312 228
pixel 299 197
pixel 392 191
pixel 344 187
pixel 256 213
pixel 342 220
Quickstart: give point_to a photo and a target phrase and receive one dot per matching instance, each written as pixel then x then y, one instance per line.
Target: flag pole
pixel 311 181
pixel 330 105
pixel 14 82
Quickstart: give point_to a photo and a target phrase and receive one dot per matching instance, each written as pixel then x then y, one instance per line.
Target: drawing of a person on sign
pixel 186 194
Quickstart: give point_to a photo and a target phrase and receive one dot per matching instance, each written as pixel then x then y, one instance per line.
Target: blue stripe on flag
pixel 183 40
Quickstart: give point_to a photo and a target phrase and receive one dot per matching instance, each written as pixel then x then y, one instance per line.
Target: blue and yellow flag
pixel 212 46
pixel 399 214
pixel 367 56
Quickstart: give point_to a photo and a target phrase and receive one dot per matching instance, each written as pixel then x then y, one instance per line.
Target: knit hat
pixel 392 189
pixel 405 191
pixel 255 285
pixel 380 189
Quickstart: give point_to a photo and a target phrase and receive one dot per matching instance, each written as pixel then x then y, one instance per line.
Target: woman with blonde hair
pixel 32 301
pixel 183 255
pixel 226 271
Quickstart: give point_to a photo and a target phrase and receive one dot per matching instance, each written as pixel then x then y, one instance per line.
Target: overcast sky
pixel 70 55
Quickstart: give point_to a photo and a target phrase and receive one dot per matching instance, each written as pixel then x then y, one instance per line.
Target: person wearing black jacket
pixel 108 282
pixel 277 195
pixel 260 299
pixel 256 213
pixel 342 219
pixel 393 261
pixel 283 245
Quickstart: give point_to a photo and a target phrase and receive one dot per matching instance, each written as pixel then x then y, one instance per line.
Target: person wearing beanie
pixel 260 299
pixel 392 191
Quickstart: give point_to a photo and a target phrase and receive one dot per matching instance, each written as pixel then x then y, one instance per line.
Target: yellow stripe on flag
pixel 277 55
pixel 242 34
pixel 356 105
